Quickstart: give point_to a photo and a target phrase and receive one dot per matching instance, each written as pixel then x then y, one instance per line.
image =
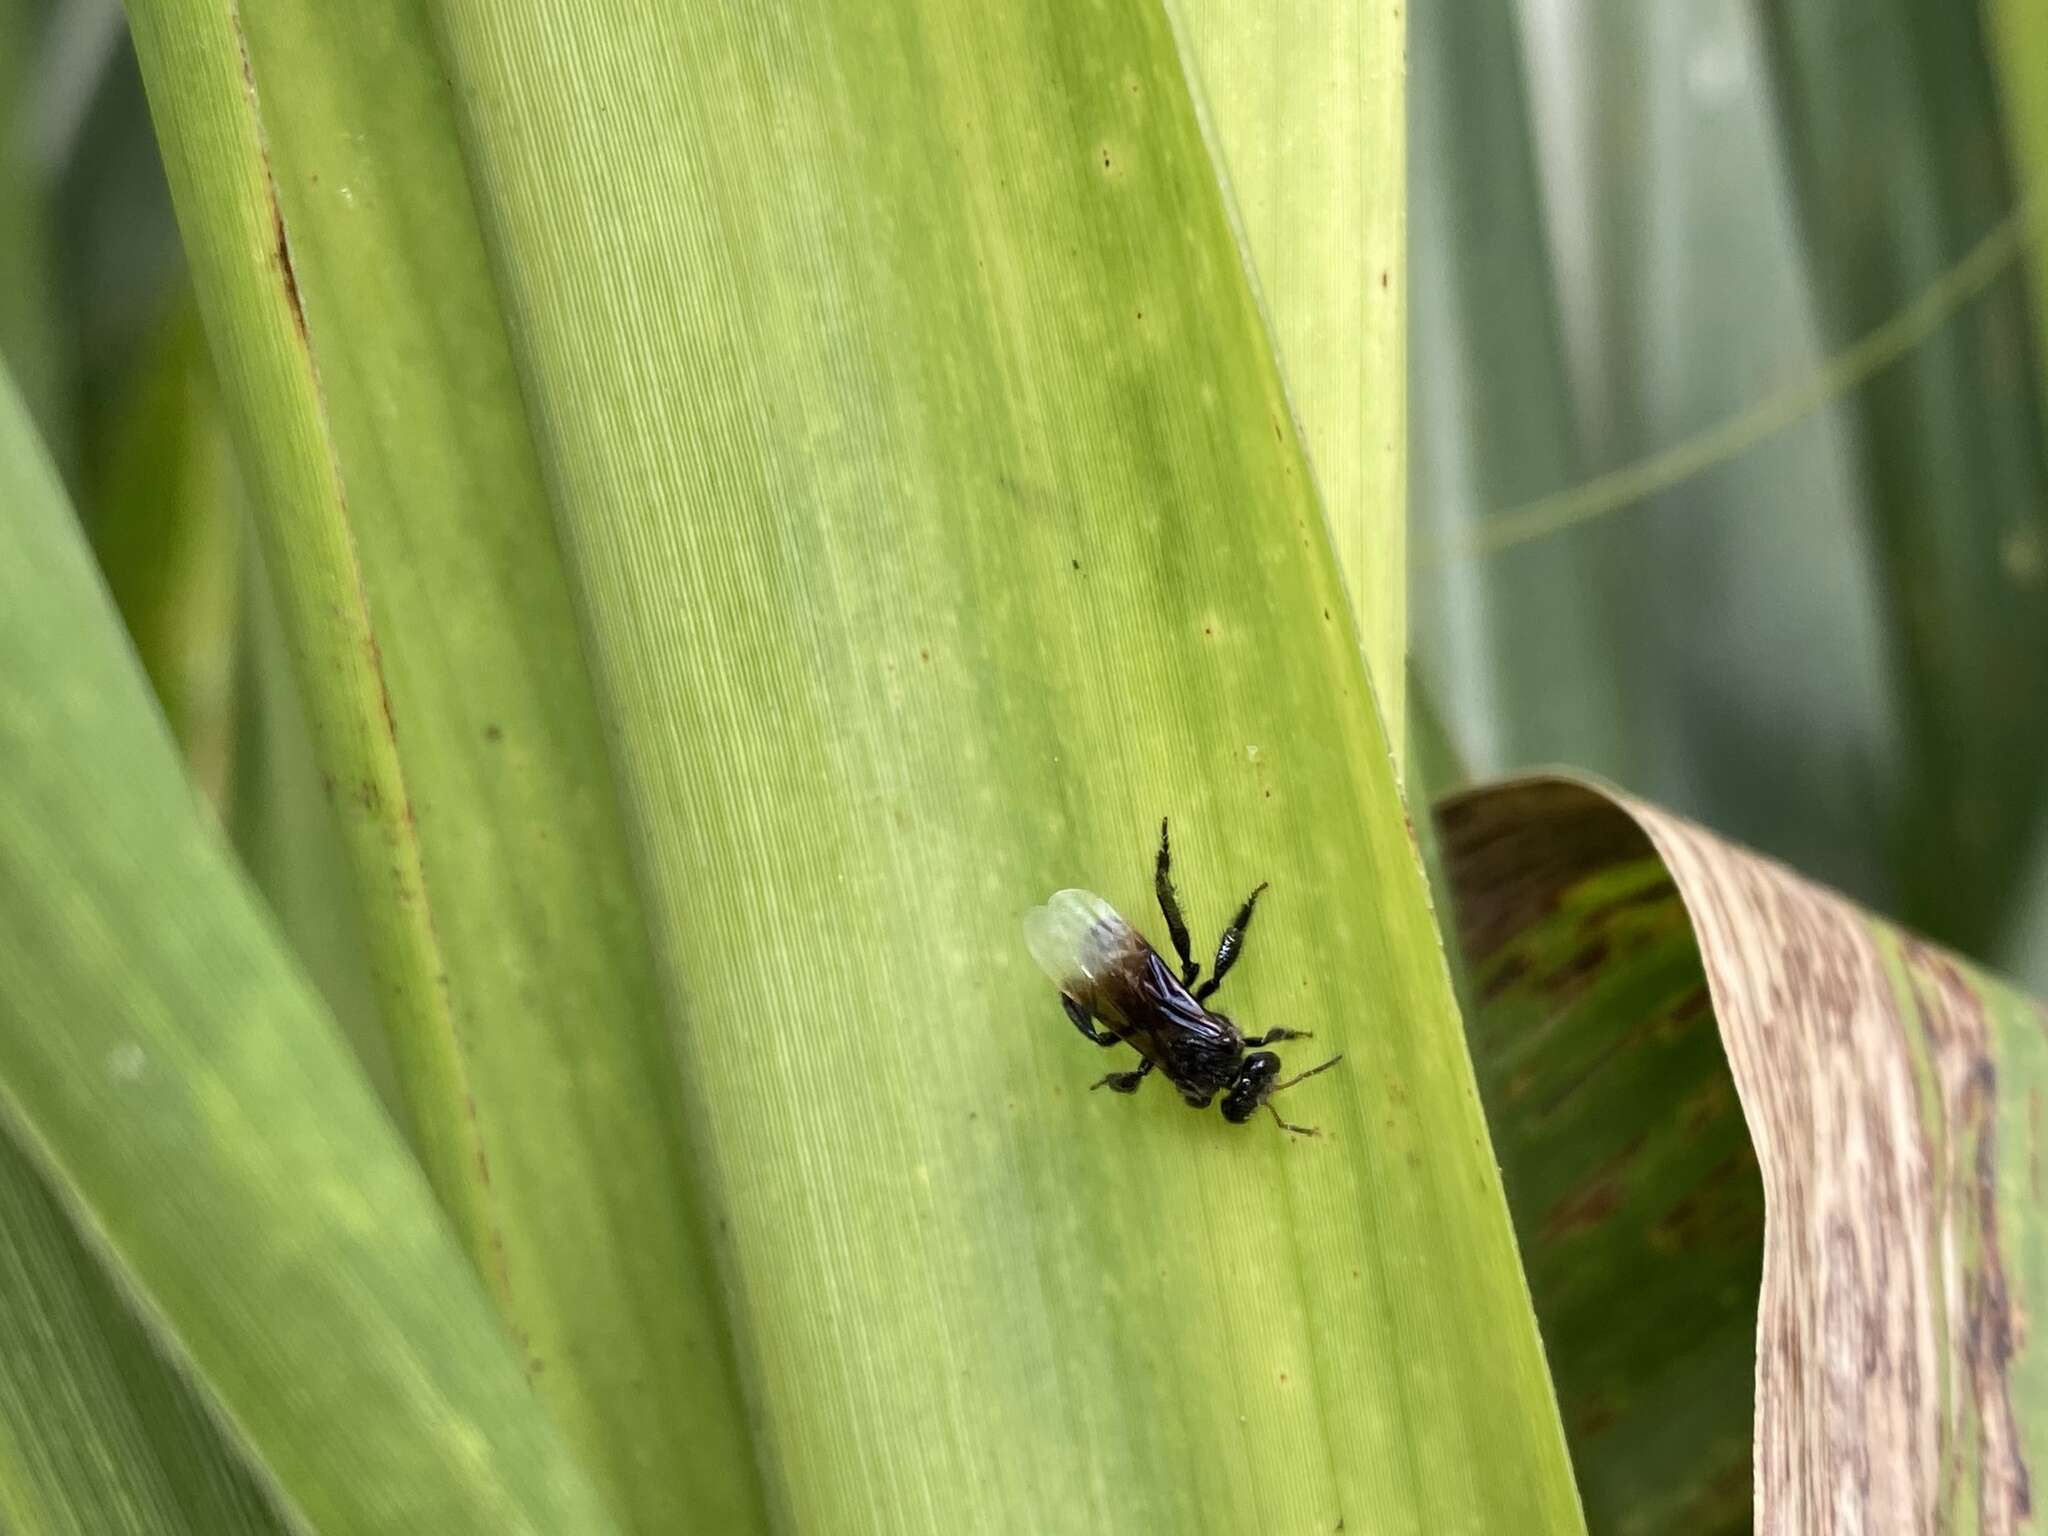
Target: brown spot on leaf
pixel 1582 1210
pixel 1575 972
pixel 1591 1417
pixel 1510 971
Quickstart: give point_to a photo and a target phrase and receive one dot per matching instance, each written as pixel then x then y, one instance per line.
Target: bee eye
pixel 1254 1084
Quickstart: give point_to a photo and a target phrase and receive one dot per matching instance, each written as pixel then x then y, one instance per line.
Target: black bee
pixel 1105 970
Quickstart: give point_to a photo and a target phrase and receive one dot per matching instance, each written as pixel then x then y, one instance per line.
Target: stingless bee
pixel 1106 971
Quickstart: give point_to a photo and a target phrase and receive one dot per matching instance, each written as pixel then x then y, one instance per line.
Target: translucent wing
pixel 1105 966
pixel 1079 941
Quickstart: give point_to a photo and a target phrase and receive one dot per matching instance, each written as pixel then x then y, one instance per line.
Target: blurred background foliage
pixel 1635 225
pixel 1631 226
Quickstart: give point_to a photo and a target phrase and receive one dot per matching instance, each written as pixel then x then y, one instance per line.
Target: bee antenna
pixel 1300 1077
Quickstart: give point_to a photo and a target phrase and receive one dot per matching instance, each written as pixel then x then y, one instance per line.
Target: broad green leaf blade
pixel 1898 157
pixel 99 1436
pixel 105 1435
pixel 1641 978
pixel 175 1082
pixel 402 487
pixel 1304 103
pixel 937 524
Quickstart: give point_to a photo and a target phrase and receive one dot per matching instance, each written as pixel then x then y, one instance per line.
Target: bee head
pixel 1253 1087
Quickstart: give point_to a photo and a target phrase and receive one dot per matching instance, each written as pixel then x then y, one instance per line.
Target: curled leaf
pixel 1637 981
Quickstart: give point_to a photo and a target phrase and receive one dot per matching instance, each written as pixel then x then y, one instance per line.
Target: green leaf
pixel 919 576
pixel 1304 108
pixel 282 823
pixel 177 1086
pixel 198 79
pixel 98 1434
pixel 166 528
pixel 932 520
pixel 410 547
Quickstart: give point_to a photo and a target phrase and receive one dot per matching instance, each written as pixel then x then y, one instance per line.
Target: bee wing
pixel 1080 942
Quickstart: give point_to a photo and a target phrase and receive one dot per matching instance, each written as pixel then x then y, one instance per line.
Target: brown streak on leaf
pixel 1575 973
pixel 281 252
pixel 284 259
pixel 1597 1198
pixel 383 688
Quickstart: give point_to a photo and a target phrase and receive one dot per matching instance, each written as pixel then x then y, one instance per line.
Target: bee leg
pixel 1124 1082
pixel 1232 945
pixel 1274 1036
pixel 1299 1130
pixel 1085 1024
pixel 1169 906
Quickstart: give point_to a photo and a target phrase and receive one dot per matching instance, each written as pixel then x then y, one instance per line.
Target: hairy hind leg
pixel 1232 945
pixel 1169 906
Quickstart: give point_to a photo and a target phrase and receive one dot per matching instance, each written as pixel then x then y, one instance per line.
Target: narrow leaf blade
pixel 175 1082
